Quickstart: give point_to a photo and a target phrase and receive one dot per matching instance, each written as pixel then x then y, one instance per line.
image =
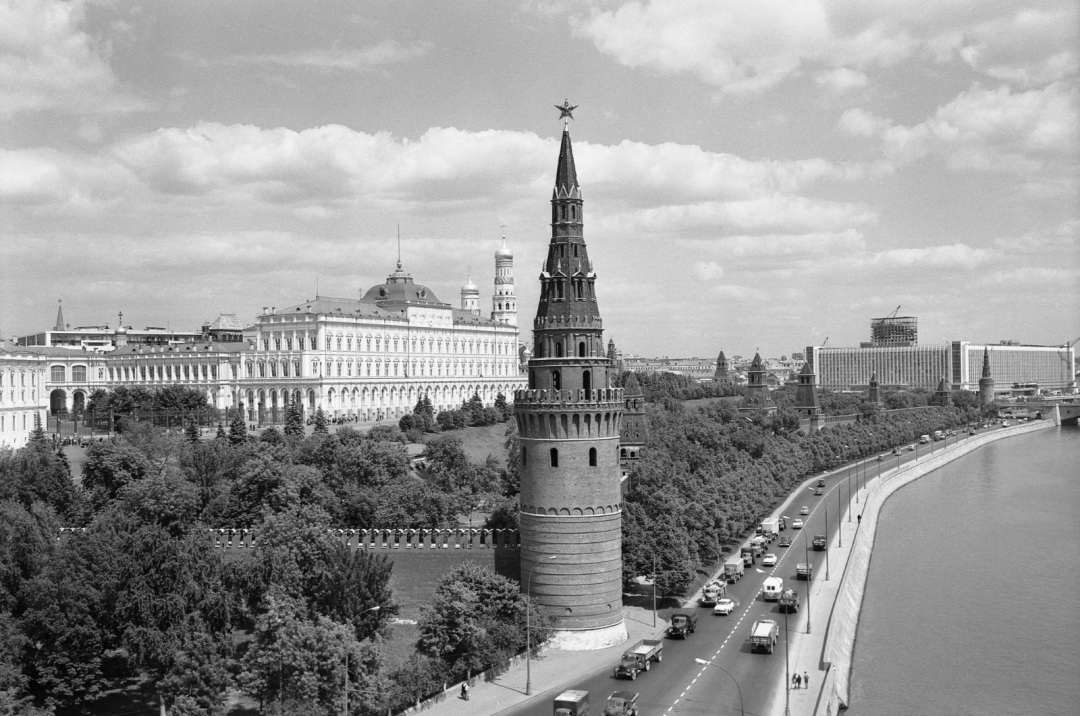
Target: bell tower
pixel 569 425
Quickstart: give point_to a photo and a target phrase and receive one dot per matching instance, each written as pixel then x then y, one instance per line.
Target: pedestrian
pixel 806 679
pixel 860 519
pixel 794 680
pixel 798 681
pixel 465 690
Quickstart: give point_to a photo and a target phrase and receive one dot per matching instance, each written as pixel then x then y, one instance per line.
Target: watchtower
pixel 569 423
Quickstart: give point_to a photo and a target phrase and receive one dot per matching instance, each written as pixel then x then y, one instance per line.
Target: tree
pixel 414 504
pixel 294 420
pixel 220 432
pixel 109 467
pixel 478 619
pixel 504 408
pixel 237 429
pixel 37 435
pixel 192 433
pixel 321 423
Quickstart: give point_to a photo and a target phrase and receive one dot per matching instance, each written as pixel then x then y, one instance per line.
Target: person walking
pixel 465 690
pixel 798 681
pixel 806 679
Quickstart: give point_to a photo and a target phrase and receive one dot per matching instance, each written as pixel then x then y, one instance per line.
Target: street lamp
pixel 809 579
pixel 345 696
pixel 654 589
pixel 528 626
pixel 742 711
pixel 787 667
pixel 826 540
pixel 839 512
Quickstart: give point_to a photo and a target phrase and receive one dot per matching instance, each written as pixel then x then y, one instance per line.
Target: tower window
pixel 523 458
pixel 554 457
pixel 558 349
pixel 592 457
pixel 575 251
pixel 581 349
pixel 586 381
pixel 532 379
pixel 573 215
pixel 556 380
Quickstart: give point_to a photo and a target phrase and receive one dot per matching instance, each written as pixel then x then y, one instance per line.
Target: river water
pixel 972 603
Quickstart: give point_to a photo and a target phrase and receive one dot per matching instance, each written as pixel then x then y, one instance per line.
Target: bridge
pixel 1062 412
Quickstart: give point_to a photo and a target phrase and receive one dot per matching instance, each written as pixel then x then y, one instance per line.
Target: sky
pixel 758 175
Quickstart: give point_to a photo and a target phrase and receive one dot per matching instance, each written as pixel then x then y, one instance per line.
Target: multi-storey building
pixel 569 423
pixel 22 392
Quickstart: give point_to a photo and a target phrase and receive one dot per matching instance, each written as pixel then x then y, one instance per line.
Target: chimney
pixel 266 310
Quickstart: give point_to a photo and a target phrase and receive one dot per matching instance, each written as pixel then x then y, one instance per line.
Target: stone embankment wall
pixel 844 621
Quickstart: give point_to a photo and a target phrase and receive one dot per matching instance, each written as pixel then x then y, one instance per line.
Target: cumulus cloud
pixel 362 59
pixel 842 79
pixel 950 256
pixel 47 62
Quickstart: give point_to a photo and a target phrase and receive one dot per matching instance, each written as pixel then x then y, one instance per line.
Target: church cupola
pixel 470 296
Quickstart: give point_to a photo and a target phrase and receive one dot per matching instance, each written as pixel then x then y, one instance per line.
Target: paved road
pixel 681 685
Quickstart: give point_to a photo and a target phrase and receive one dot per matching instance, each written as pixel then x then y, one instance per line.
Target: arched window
pixel 558 349
pixel 554 457
pixel 586 381
pixel 581 349
pixel 556 380
pixel 592 457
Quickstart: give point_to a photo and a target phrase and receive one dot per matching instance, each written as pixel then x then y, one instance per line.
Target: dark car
pixel 785 541
pixel 819 491
pixel 821 482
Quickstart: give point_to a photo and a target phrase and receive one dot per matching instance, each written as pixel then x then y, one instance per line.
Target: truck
pixel 770 528
pixel 758 544
pixel 938 435
pixel 638 658
pixel 770 590
pixel 683 624
pixel 924 439
pixel 764 635
pixel 733 569
pixel 820 543
pixel 748 556
pixel 783 522
pixel 572 703
pixel 789 600
pixel 712 592
pixel 622 703
pixel 804 570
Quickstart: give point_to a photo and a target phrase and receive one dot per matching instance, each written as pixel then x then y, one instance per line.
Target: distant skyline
pixel 757 174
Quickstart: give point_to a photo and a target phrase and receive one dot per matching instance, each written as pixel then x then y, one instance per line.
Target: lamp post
pixel 787 668
pixel 826 540
pixel 849 490
pixel 839 512
pixel 809 579
pixel 742 711
pixel 654 589
pixel 528 627
pixel 345 691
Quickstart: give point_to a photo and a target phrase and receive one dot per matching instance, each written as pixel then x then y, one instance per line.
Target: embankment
pixel 844 621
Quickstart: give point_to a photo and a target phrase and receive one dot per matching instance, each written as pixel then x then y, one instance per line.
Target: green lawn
pixel 478 443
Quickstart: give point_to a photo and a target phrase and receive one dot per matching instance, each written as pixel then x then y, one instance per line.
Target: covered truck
pixel 770 590
pixel 764 635
pixel 683 624
pixel 804 570
pixel 622 703
pixel 638 657
pixel 572 703
pixel 748 556
pixel 733 569
pixel 820 542
pixel 770 528
pixel 712 592
pixel 789 600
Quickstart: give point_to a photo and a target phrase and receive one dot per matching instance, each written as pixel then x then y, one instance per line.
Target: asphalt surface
pixel 738 680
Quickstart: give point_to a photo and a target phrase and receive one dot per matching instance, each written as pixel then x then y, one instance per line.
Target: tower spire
pixel 59 315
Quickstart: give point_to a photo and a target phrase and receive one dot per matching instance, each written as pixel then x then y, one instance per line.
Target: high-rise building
pixel 894 331
pixel 569 425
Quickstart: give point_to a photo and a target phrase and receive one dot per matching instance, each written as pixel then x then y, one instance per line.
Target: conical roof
pixel 59 318
pixel 806 369
pixel 632 388
pixel 756 363
pixel 566 183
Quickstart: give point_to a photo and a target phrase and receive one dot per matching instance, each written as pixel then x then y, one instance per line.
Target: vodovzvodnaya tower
pixel 568 420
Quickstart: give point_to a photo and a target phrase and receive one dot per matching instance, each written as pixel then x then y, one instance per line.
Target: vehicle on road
pixel 789 600
pixel 683 624
pixel 771 588
pixel 785 541
pixel 821 482
pixel 797 524
pixel 910 448
pixel 924 439
pixel 712 592
pixel 768 560
pixel 880 458
pixel 819 492
pixel 622 703
pixel 763 636
pixel 783 522
pixel 770 528
pixel 804 510
pixel 804 571
pixel 733 569
pixel 572 703
pixel 896 451
pixel 638 658
pixel 758 543
pixel 725 606
pixel 820 543
pixel 748 556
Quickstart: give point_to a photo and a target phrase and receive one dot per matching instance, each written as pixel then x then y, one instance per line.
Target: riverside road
pixel 681 685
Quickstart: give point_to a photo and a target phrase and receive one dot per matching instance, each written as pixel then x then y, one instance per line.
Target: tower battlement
pixel 587 399
pixel 541 323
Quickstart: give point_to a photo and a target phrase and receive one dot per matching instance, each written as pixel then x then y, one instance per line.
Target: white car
pixel 724 606
pixel 805 510
pixel 768 560
pixel 797 525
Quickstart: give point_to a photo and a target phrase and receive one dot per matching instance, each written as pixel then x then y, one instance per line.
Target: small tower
pixel 632 435
pixel 470 297
pixel 59 317
pixel 873 395
pixel 757 395
pixel 614 355
pixel 504 302
pixel 120 334
pixel 942 396
pixel 721 375
pixel 569 423
pixel 806 398
pixel 986 382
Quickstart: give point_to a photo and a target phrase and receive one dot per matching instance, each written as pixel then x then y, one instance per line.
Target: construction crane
pixel 895 311
pixel 827 338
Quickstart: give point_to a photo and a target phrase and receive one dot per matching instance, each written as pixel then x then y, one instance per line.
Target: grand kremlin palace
pixel 368 359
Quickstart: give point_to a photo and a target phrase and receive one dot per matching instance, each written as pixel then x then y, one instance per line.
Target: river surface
pixel 972 603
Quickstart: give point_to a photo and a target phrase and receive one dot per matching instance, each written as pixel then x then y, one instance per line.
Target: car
pixel 804 510
pixel 768 560
pixel 880 458
pixel 819 491
pixel 797 524
pixel 785 541
pixel 910 448
pixel 725 606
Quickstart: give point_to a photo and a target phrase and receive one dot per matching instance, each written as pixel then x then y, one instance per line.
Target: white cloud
pixel 951 256
pixel 48 63
pixel 842 79
pixel 363 59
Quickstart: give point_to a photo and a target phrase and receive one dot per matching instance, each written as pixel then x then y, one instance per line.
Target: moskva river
pixel 973 599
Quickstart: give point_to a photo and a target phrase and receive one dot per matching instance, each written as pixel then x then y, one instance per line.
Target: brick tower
pixel 757 395
pixel 986 383
pixel 721 375
pixel 633 434
pixel 873 393
pixel 942 396
pixel 806 397
pixel 569 422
